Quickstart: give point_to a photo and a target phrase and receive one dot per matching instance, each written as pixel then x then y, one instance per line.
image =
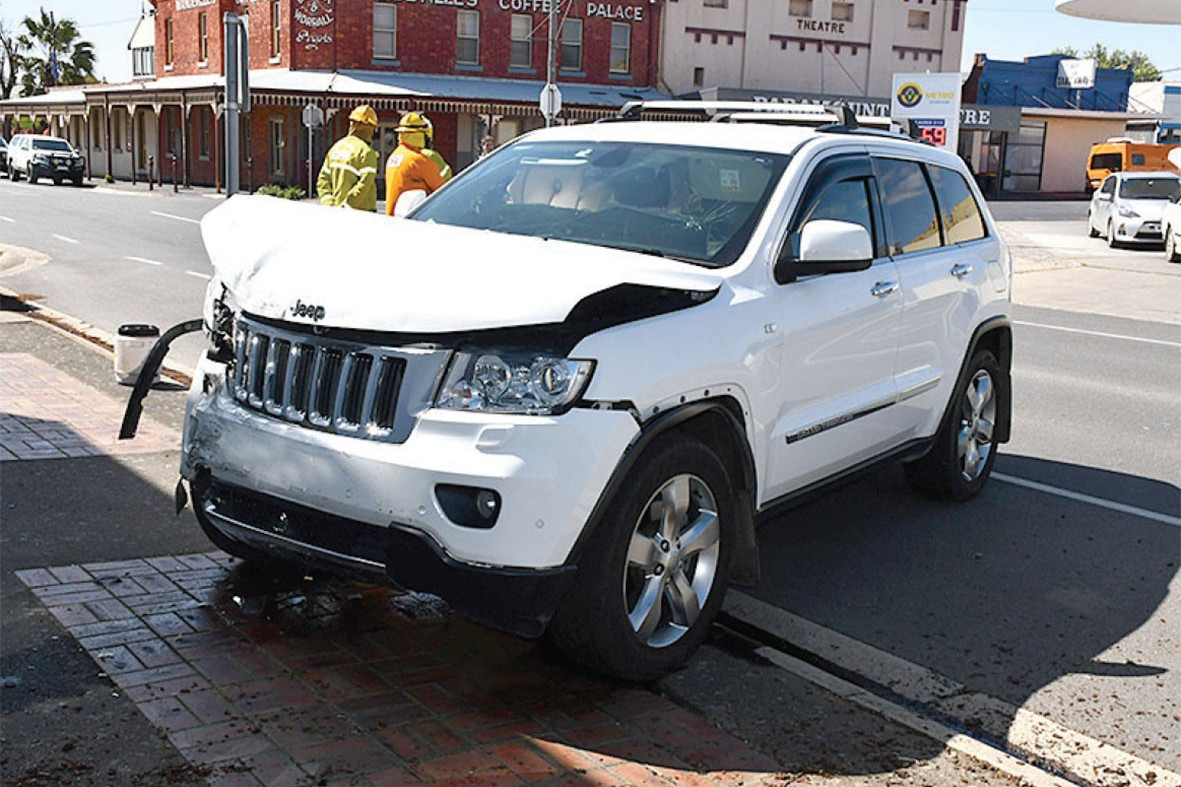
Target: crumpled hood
pixel 306 263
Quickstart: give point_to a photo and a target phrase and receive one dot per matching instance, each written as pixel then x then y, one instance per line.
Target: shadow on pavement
pixel 1040 601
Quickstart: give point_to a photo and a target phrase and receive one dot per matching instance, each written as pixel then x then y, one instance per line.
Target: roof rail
pixel 834 118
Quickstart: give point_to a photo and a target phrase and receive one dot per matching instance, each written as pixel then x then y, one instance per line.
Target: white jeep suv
pixel 562 392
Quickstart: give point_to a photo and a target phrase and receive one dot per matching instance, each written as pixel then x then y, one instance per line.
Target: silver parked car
pixel 1128 207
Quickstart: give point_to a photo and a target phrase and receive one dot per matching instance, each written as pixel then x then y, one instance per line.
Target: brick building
pixel 475 67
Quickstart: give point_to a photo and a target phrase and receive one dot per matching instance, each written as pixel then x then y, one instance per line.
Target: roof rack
pixel 834 119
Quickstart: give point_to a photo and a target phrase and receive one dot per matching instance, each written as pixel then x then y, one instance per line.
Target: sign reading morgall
pixel 311 19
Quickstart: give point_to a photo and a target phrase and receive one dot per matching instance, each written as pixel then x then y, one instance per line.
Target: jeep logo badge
pixel 301 309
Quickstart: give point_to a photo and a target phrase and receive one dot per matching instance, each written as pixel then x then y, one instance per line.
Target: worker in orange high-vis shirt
pixel 408 168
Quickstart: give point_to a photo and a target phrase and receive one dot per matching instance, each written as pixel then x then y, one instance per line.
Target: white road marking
pixel 178 218
pixel 204 276
pixel 1033 736
pixel 10 221
pixel 144 260
pixel 1155 516
pixel 1098 333
pixel 67 240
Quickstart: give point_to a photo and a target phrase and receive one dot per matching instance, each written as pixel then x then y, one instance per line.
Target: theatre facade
pixel 476 68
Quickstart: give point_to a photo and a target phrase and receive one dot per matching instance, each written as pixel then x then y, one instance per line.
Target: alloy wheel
pixel 672 561
pixel 977 420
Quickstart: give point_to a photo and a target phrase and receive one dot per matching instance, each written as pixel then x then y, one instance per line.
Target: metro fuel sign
pixel 932 102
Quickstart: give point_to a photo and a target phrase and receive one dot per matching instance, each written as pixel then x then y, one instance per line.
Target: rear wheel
pixel 651 580
pixel 961 458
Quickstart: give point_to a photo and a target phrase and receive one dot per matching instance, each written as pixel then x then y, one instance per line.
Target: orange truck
pixel 1124 155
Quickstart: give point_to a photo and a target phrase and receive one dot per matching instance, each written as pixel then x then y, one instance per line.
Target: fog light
pixel 469 506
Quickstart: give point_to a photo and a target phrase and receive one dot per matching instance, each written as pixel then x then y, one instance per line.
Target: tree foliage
pixel 52 52
pixel 10 63
pixel 1142 67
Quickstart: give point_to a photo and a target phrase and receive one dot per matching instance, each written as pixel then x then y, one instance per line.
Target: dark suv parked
pixel 36 156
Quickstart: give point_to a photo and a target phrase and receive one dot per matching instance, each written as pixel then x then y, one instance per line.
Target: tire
pixel 31 174
pixel 961 457
pixel 1111 241
pixel 57 181
pixel 639 559
pixel 1172 252
pixel 13 175
pixel 77 181
pixel 1091 231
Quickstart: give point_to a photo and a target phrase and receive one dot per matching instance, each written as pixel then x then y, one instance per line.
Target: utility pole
pixel 549 56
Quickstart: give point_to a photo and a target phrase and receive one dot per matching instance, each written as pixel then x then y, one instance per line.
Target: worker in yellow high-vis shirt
pixel 348 178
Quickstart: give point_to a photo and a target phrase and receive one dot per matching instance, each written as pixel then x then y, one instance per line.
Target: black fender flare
pixel 135 403
pixel 745 559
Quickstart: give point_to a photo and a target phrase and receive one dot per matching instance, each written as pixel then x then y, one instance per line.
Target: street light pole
pixel 549 57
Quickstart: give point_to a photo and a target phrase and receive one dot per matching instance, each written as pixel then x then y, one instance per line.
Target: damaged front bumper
pixel 379 510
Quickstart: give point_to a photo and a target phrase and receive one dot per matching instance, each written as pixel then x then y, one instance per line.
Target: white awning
pixel 1157 12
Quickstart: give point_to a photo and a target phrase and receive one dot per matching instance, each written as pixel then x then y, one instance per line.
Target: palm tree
pixel 56 56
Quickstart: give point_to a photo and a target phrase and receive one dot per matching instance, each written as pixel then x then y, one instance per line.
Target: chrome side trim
pixel 844 418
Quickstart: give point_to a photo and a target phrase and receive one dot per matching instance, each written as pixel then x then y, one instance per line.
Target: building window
pixel 278 146
pixel 698 77
pixel 800 8
pixel 385 31
pixel 842 12
pixel 621 45
pixel 467 49
pixel 96 130
pixel 204 133
pixel 143 61
pixel 203 37
pixel 116 131
pixel 571 57
pixel 169 49
pixel 716 3
pixel 918 20
pixel 521 51
pixel 276 28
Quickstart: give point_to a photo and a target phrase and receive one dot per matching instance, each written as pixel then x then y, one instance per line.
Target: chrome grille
pixel 332 385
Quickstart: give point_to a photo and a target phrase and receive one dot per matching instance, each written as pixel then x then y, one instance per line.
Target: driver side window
pixel 839 190
pixel 1108 186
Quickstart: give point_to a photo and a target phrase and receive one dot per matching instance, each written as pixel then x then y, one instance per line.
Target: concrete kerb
pixel 85 333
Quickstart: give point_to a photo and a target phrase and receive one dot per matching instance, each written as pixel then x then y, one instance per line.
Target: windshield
pixel 690 203
pixel 1150 188
pixel 52 144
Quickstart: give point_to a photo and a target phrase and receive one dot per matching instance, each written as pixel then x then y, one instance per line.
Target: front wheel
pixel 1111 241
pixel 961 458
pixel 32 174
pixel 1091 231
pixel 13 175
pixel 652 578
pixel 1172 252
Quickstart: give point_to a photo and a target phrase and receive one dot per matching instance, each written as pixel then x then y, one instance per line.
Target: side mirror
pixel 408 201
pixel 827 246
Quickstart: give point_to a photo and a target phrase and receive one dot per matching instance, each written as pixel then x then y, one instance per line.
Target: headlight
pixel 41 158
pixel 513 382
pixel 1128 213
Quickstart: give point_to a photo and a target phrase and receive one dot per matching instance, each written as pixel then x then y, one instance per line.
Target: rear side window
pixel 909 205
pixel 1111 161
pixel 957 207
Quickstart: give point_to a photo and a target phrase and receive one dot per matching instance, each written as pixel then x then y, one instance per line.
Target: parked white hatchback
pixel 1129 206
pixel 563 391
pixel 1171 227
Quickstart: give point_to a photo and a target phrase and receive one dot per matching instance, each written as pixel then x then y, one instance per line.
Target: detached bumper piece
pixel 518 601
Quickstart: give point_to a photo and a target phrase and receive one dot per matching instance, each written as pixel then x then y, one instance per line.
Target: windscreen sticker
pixel 729 181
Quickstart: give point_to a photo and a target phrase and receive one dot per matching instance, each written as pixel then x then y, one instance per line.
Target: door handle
pixel 883 288
pixel 961 270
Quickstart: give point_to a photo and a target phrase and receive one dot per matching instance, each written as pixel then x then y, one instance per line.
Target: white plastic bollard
pixel 132 345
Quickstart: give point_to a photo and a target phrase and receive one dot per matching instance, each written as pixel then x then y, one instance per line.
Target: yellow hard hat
pixel 412 121
pixel 364 114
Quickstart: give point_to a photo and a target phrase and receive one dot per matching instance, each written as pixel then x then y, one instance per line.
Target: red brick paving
pixel 46 414
pixel 319 682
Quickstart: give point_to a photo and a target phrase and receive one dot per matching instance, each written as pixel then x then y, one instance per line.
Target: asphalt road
pixel 1055 591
